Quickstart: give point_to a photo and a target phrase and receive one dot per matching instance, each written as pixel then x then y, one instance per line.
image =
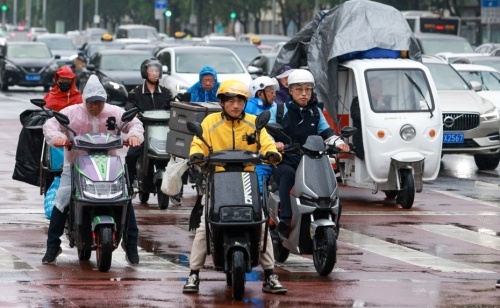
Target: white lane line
pixel 481 239
pixel 10 262
pixel 486 185
pixel 404 254
pixel 299 264
pixel 417 213
pixel 493 204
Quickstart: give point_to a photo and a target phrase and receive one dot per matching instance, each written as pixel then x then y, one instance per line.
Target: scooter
pixel 315 203
pixel 234 217
pixel 151 165
pixel 100 192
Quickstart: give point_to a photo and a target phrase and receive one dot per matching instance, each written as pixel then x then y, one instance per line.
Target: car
pixel 485 77
pixel 433 43
pixel 90 48
pixel 262 65
pixel 59 44
pixel 18 33
pixel 470 122
pixel 265 39
pixel 38 30
pixel 182 65
pixel 117 70
pixel 137 31
pixel 488 61
pixel 450 57
pixel 245 51
pixel 26 64
pixel 487 47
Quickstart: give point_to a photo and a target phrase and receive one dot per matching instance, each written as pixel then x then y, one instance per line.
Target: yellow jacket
pixel 223 134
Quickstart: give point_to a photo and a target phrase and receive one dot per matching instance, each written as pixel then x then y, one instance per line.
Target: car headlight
pixel 407 132
pixel 102 190
pixel 491 115
pixel 236 214
pixel 54 66
pixel 159 145
pixel 11 67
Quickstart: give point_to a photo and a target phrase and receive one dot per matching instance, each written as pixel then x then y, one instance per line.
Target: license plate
pixel 453 138
pixel 33 77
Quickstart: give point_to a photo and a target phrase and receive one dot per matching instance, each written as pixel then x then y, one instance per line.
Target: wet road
pixel 443 252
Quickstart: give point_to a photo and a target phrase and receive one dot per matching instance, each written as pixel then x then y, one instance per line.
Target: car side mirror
pixel 476 85
pixel 165 69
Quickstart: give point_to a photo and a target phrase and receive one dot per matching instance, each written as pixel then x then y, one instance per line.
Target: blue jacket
pixel 198 94
pixel 256 106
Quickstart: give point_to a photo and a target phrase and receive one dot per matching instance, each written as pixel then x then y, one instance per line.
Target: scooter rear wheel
pixel 84 254
pixel 280 253
pixel 104 248
pixel 238 274
pixel 324 250
pixel 143 197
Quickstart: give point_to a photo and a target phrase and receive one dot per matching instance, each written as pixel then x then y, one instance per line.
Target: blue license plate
pixel 33 77
pixel 453 138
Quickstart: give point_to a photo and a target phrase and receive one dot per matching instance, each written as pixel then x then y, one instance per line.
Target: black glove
pixel 196 157
pixel 272 157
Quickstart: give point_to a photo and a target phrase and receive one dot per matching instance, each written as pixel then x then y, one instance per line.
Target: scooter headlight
pixel 236 214
pixel 158 144
pixel 407 132
pixel 102 190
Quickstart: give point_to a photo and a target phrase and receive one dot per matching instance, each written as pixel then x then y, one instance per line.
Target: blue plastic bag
pixel 50 197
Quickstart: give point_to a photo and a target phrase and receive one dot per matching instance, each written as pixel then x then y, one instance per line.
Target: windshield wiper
pixel 419 91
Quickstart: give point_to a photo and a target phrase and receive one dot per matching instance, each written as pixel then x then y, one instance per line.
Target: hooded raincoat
pixel 198 94
pixel 57 99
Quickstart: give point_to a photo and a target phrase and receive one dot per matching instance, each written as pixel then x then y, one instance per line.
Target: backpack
pixel 280 110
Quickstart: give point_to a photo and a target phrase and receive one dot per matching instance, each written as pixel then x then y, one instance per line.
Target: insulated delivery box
pixel 179 138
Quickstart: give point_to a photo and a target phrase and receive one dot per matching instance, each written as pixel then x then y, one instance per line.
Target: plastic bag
pixel 50 197
pixel 172 179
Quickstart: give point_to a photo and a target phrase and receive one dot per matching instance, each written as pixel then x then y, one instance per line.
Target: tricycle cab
pixel 401 122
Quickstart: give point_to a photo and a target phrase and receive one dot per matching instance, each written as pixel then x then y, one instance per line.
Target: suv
pixel 137 31
pixel 470 123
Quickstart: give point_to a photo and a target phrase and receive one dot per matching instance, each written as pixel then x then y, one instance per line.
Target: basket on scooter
pixel 235 210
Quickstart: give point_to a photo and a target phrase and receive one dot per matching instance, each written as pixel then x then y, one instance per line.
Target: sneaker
pixel 273 285
pixel 498 283
pixel 51 254
pixel 284 227
pixel 192 284
pixel 176 200
pixel 131 254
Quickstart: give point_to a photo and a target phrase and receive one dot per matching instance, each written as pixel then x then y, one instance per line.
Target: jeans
pixel 284 175
pixel 133 155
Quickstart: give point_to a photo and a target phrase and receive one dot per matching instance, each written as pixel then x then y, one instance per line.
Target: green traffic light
pixel 4 7
pixel 232 15
pixel 168 13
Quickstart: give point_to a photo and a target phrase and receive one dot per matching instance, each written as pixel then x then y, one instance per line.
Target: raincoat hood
pixel 57 99
pixel 208 70
pixel 94 91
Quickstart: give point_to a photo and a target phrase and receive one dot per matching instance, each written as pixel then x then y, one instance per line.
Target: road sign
pixel 490 11
pixel 160 8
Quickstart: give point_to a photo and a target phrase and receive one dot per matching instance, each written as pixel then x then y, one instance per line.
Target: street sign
pixel 160 8
pixel 490 11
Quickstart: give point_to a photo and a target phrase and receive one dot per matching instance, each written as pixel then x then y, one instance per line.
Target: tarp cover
pixel 355 25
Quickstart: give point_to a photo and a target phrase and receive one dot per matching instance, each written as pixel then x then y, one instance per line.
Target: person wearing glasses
pixel 301 118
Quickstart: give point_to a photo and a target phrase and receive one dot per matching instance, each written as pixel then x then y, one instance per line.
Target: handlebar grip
pixel 66 144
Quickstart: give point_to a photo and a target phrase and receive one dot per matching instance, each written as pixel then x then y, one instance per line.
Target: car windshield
pixel 58 43
pixel 122 62
pixel 489 80
pixel 399 90
pixel 93 48
pixel 434 46
pixel 491 63
pixel 28 51
pixel 223 63
pixel 246 53
pixel 446 78
pixel 148 34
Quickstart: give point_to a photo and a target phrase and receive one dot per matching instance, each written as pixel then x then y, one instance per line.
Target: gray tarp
pixel 355 25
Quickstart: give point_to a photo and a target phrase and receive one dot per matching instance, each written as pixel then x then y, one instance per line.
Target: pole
pixel 27 15
pixel 80 16
pixel 273 26
pixel 168 26
pixel 14 13
pixel 96 13
pixel 44 13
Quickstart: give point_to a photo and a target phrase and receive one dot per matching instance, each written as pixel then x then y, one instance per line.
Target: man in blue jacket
pixel 205 89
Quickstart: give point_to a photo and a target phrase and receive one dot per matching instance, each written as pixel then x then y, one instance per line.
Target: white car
pixel 182 66
pixel 484 79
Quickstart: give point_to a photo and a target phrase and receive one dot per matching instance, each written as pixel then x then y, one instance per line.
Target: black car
pixel 118 71
pixel 27 64
pixel 262 65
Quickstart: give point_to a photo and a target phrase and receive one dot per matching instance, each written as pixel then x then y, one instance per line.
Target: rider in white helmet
pixel 300 119
pixel 262 95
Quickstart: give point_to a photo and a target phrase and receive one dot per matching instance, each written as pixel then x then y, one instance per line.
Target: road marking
pixel 496 204
pixel 486 185
pixel 10 262
pixel 299 264
pixel 404 254
pixel 473 237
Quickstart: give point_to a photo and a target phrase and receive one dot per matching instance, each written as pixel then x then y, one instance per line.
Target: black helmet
pixel 147 63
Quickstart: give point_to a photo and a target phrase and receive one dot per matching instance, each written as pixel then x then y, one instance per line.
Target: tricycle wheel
pixel 104 248
pixel 84 254
pixel 238 274
pixel 229 278
pixel 143 197
pixel 324 250
pixel 407 193
pixel 163 199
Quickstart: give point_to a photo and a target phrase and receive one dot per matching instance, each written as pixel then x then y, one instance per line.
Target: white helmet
pixel 260 83
pixel 299 76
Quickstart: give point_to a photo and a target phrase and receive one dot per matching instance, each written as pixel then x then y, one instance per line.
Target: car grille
pixel 460 121
pixel 32 69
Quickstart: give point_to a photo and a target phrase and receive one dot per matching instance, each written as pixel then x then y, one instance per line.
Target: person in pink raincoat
pixel 87 117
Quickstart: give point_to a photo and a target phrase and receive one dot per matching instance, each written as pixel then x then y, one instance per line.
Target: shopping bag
pixel 50 197
pixel 172 179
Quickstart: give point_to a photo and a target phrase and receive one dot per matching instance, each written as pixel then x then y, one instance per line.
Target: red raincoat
pixel 57 99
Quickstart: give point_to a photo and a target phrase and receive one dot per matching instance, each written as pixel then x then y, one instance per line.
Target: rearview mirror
pixel 61 118
pixel 348 131
pixel 262 120
pixel 195 128
pixel 476 85
pixel 38 102
pixel 129 115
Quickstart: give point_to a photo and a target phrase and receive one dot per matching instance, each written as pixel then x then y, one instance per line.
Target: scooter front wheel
pixel 104 248
pixel 238 274
pixel 324 250
pixel 163 199
pixel 84 254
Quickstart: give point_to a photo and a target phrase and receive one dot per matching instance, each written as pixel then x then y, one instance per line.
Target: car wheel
pixel 4 86
pixel 487 161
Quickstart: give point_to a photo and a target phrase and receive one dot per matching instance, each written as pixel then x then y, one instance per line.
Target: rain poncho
pixel 348 28
pixel 198 94
pixel 57 99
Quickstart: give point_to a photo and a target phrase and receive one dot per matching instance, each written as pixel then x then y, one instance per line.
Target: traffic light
pixel 4 7
pixel 168 13
pixel 232 15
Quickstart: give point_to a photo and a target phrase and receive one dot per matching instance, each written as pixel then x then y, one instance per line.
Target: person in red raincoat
pixel 64 92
